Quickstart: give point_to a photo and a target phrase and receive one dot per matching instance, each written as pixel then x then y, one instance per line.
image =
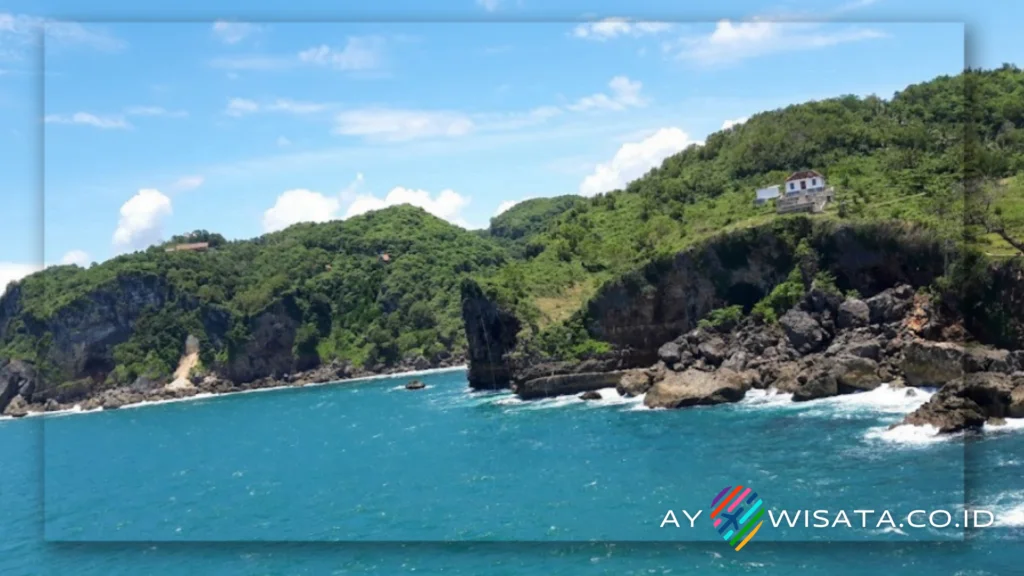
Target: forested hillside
pixel 383 288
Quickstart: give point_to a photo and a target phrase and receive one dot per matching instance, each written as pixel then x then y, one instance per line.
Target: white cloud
pixel 447 205
pixel 731 42
pixel 154 111
pixel 188 183
pixel 11 271
pixel 634 159
pixel 397 125
pixel 141 222
pixel 87 119
pixel 76 257
pixel 506 205
pixel 241 106
pixel 625 93
pixel 300 205
pixel 359 53
pixel 233 32
pixel 730 123
pixel 18 32
pixel 489 5
pixel 614 27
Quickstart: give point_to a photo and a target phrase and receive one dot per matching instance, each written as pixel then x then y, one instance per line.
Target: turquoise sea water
pixel 368 478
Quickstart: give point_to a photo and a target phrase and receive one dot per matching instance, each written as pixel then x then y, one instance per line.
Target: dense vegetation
pixel 916 156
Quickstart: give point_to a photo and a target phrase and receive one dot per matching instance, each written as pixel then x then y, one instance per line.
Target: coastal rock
pixel 802 331
pixel 669 353
pixel 854 313
pixel 737 362
pixel 890 305
pixel 966 402
pixel 567 384
pixel 415 385
pixel 932 363
pixel 1016 407
pixel 978 359
pixel 855 374
pixel 16 408
pixel 817 383
pixel 713 351
pixel 16 378
pixel 635 383
pixel 590 395
pixel 1017 360
pixel 694 388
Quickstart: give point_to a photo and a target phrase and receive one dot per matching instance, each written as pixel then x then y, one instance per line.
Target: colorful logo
pixel 737 513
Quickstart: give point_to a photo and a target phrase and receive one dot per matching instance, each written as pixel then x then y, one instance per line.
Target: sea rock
pixel 590 395
pixel 558 385
pixel 16 407
pixel 978 359
pixel 415 385
pixel 635 383
pixel 51 405
pixel 695 387
pixel 818 382
pixel 932 363
pixel 17 378
pixel 669 353
pixel 966 402
pixel 737 362
pixel 1017 360
pixel 854 313
pixel 802 331
pixel 784 377
pixel 855 374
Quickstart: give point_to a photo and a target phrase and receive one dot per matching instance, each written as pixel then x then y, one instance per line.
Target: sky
pixel 122 125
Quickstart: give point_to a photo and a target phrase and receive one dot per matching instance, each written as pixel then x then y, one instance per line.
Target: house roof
pixel 804 174
pixel 195 246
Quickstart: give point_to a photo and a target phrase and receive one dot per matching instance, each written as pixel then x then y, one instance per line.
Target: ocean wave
pixel 1011 425
pixel 909 435
pixel 1008 509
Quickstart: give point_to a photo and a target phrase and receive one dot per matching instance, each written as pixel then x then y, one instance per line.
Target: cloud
pixel 489 5
pixel 508 204
pixel 188 183
pixel 732 42
pixel 241 106
pixel 730 123
pixel 625 93
pixel 609 28
pixel 87 119
pixel 18 32
pixel 300 205
pixel 11 271
pixel 233 32
pixel 634 159
pixel 359 53
pixel 154 111
pixel 447 205
pixel 399 125
pixel 76 257
pixel 141 222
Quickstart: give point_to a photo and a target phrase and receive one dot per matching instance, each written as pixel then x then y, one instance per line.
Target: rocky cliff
pixel 638 313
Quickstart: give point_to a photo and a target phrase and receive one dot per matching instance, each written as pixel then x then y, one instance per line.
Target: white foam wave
pixel 909 435
pixel 768 398
pixel 1011 425
pixel 1008 509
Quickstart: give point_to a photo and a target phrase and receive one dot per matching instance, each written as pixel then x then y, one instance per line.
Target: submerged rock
pixel 415 385
pixel 567 384
pixel 590 395
pixel 695 388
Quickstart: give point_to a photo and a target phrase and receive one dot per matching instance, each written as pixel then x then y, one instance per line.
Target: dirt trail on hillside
pixel 188 362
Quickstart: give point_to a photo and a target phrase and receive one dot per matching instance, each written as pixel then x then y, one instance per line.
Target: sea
pixel 366 477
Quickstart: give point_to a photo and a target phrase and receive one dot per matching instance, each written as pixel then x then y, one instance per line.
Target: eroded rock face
pixel 491 334
pixel 855 374
pixel 696 388
pixel 932 363
pixel 562 384
pixel 16 378
pixel 853 313
pixel 636 382
pixel 1016 407
pixel 16 408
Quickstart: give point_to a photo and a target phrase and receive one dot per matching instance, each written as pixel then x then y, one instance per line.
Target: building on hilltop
pixel 765 194
pixel 805 191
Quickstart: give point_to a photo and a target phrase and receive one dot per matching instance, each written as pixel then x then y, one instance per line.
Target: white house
pixel 766 194
pixel 804 181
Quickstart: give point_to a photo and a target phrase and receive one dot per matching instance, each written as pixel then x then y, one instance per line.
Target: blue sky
pixel 240 123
